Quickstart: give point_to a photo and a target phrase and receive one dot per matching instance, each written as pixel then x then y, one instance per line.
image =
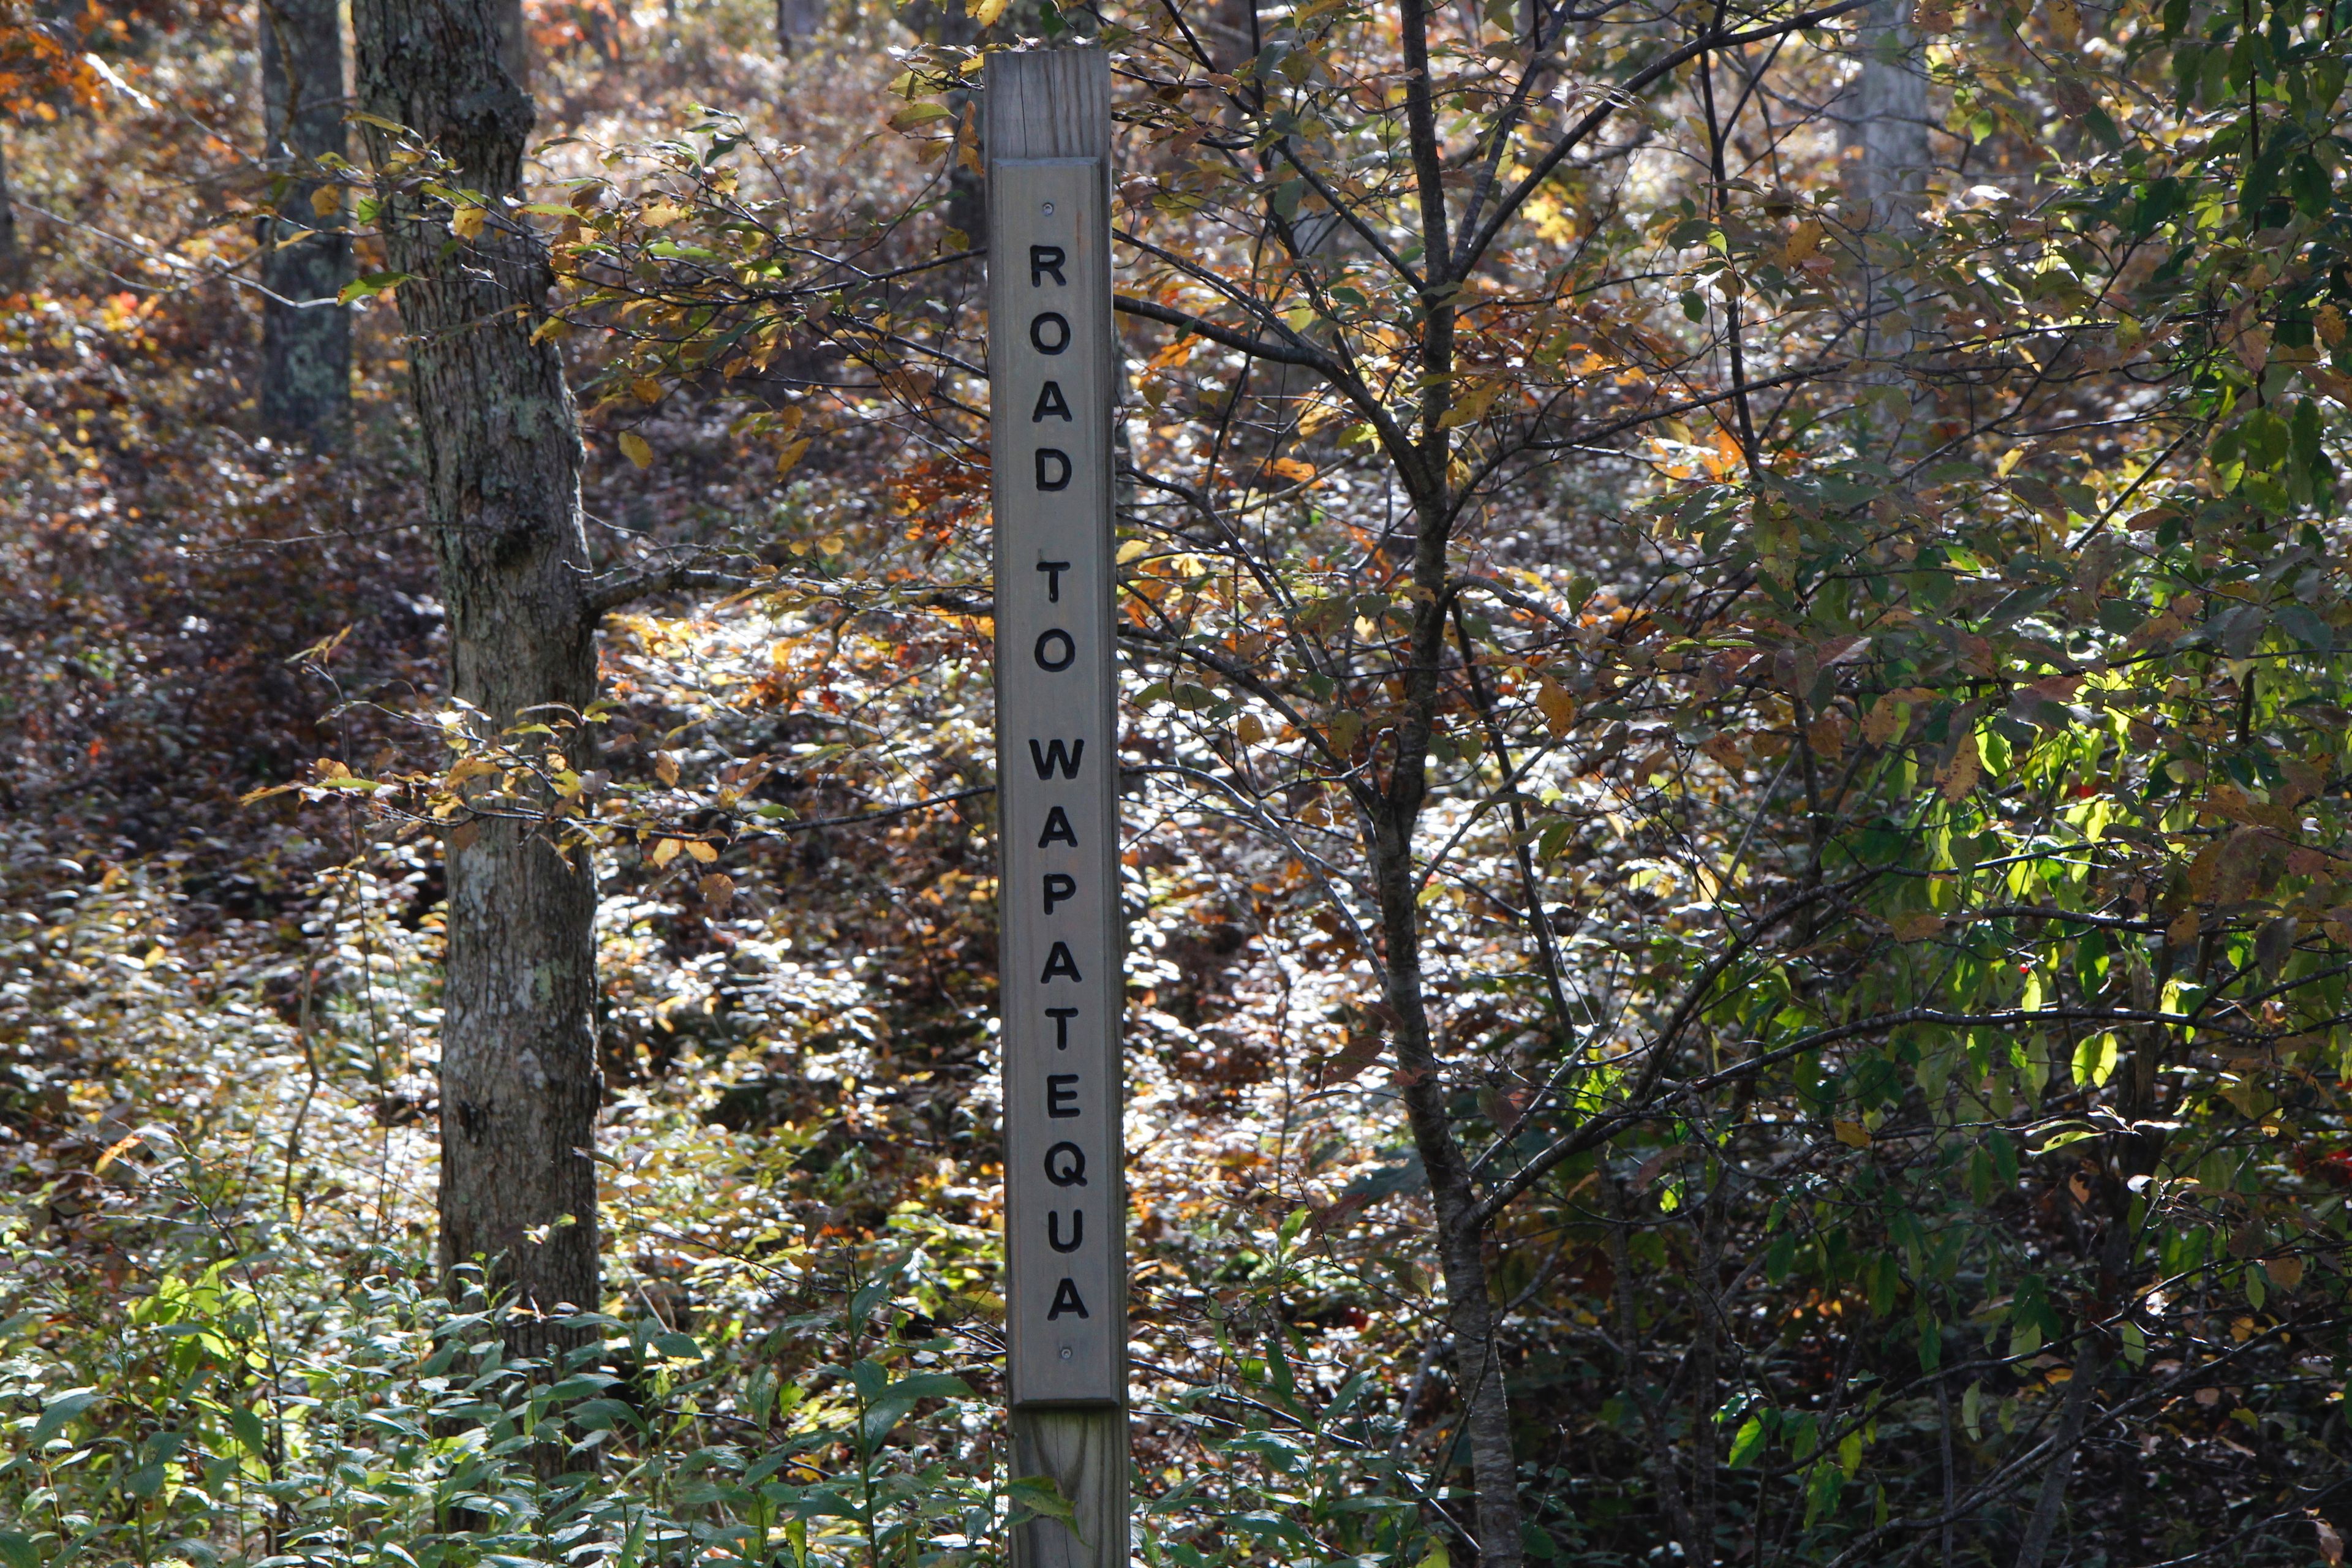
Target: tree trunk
pixel 306 348
pixel 1885 129
pixel 1470 1316
pixel 11 260
pixel 519 1084
pixel 1884 140
pixel 797 21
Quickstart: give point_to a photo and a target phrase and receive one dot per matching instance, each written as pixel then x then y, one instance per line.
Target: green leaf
pixel 370 284
pixel 1043 1499
pixel 1746 1441
pixel 57 1412
pixel 868 1297
pixel 250 1433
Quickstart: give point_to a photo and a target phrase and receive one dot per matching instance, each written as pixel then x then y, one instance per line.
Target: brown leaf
pixel 1338 1213
pixel 2253 348
pixel 1840 650
pixel 1853 1134
pixel 1886 720
pixel 2238 867
pixel 717 889
pixel 2304 780
pixel 1360 1052
pixel 1960 774
pixel 2286 1270
pixel 2331 1545
pixel 1918 925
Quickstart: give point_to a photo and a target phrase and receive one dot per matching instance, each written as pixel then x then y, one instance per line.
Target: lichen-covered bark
pixel 519 1086
pixel 306 351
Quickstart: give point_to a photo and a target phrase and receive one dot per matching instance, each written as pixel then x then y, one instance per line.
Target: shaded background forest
pixel 1929 801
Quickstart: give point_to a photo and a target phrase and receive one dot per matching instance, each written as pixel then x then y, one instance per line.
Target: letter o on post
pixel 1055 649
pixel 1050 324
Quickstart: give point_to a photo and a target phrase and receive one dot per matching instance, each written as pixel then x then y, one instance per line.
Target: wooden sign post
pixel 1052 359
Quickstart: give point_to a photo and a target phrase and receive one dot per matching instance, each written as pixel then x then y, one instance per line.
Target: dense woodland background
pixel 1736 756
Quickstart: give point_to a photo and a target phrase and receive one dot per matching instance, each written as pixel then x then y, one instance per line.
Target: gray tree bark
pixel 305 352
pixel 1883 136
pixel 1472 1319
pixel 519 1084
pixel 12 257
pixel 1885 129
pixel 798 21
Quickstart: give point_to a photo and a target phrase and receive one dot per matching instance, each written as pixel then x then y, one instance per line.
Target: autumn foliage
pixel 1736 766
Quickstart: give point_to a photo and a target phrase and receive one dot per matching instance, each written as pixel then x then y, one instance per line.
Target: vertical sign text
pixel 1057 774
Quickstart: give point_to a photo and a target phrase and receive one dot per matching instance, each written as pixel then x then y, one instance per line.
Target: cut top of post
pixel 1051 103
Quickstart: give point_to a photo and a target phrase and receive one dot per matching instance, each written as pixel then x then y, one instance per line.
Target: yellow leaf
pixel 1803 240
pixel 916 114
pixel 2064 20
pixel 1472 404
pixel 470 768
pixel 2328 322
pixel 665 767
pixel 1558 707
pixel 466 222
pixel 1853 1134
pixel 553 327
pixel 122 1146
pixel 665 852
pixel 660 214
pixel 633 447
pixel 327 200
pixel 985 13
pixel 1249 730
pixel 647 389
pixel 701 851
pixel 791 456
pixel 1134 549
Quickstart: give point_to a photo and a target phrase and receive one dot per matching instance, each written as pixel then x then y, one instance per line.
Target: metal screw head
pixel 1067 1351
pixel 1049 209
